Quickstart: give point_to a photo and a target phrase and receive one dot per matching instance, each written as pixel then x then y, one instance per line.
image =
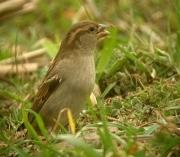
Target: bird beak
pixel 102 31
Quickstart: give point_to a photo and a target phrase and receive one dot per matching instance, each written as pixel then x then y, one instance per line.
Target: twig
pixel 8 9
pixel 17 69
pixel 11 5
pixel 24 56
pixel 143 137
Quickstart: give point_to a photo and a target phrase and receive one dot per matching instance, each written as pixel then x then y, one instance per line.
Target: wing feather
pixel 50 83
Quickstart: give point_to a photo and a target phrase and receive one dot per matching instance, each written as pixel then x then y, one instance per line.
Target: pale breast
pixel 78 79
pixel 83 75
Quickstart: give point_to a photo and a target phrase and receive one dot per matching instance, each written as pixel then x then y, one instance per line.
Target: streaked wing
pixel 45 90
pixel 50 83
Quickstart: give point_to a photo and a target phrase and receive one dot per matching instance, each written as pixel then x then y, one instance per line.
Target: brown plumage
pixel 71 77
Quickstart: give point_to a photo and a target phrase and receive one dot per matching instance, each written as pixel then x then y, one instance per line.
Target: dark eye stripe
pixel 76 32
pixel 73 35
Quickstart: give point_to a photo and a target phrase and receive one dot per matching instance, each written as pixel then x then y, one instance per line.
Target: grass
pixel 137 67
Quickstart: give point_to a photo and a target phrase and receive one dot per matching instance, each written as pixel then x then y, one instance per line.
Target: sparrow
pixel 70 78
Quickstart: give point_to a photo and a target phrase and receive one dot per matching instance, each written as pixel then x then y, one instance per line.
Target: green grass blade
pixel 106 53
pixel 79 144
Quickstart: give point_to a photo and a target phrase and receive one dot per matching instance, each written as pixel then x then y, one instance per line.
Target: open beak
pixel 102 31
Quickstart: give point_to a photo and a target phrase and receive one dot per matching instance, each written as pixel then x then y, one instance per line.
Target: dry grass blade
pixel 18 69
pixel 10 5
pixel 24 57
pixel 16 7
pixel 88 10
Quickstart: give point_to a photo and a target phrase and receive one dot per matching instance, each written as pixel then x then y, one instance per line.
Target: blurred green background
pixel 137 68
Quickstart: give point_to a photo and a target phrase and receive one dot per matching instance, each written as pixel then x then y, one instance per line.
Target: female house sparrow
pixel 71 77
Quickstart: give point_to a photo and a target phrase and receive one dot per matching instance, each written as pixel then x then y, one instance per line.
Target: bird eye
pixel 91 29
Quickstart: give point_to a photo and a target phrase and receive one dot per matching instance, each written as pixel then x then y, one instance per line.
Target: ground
pixel 137 71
